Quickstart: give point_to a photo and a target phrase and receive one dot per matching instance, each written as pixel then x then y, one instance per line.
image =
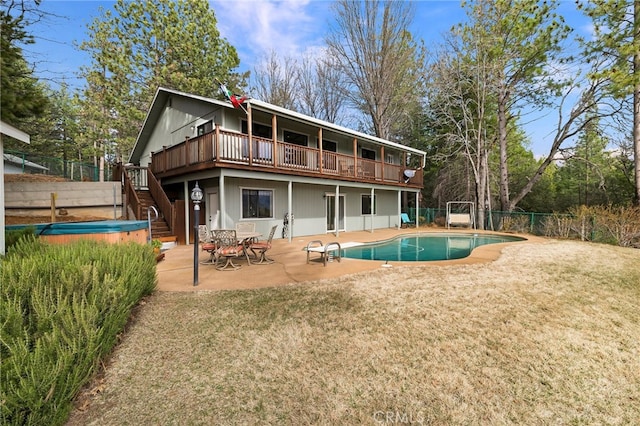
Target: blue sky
pixel 253 27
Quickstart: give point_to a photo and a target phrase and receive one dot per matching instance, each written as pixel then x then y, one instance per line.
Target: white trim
pixel 8 130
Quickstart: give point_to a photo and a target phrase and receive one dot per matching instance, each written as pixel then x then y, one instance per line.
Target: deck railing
pixel 162 201
pixel 220 147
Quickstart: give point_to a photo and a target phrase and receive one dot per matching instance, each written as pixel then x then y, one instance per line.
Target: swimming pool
pixel 426 247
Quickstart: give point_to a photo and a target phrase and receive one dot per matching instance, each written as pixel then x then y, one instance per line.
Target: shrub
pixel 619 225
pixel 519 223
pixel 63 307
pixel 557 225
pixel 13 236
pixel 609 225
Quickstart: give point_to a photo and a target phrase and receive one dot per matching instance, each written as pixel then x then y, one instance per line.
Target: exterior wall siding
pixel 309 207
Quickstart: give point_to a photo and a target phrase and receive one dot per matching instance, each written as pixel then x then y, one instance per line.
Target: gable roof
pixel 163 94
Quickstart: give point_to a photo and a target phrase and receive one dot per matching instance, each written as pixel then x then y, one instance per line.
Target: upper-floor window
pixel 295 138
pixel 259 130
pixel 257 203
pixel 368 154
pixel 205 128
pixel 329 146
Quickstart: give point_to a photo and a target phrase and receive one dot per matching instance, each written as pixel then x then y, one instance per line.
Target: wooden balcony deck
pixel 233 150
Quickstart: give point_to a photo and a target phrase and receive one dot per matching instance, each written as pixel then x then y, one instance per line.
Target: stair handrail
pixel 149 219
pixel 130 195
pixel 166 208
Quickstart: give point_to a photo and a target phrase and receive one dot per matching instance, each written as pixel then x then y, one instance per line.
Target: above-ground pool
pixel 113 231
pixel 425 247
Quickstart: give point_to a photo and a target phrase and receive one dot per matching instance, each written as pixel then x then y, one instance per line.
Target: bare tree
pixel 524 38
pixel 275 80
pixel 460 94
pixel 320 85
pixel 380 60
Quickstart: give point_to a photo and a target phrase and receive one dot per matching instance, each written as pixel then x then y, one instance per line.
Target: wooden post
pixel 217 144
pixel 355 156
pixel 382 161
pixel 274 135
pixel 321 159
pixel 53 206
pixel 250 130
pixel 186 151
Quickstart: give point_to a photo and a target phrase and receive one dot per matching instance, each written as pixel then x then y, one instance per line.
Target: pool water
pixel 423 247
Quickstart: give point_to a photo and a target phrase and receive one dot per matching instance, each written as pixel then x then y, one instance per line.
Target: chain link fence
pixel 495 220
pixel 610 225
pixel 21 162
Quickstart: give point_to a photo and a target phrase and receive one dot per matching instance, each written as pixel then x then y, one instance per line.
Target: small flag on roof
pixel 236 100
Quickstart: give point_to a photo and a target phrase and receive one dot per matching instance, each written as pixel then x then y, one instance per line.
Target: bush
pixel 609 225
pixel 63 307
pixel 13 236
pixel 619 225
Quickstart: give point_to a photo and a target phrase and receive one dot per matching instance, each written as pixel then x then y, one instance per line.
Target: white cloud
pixel 254 28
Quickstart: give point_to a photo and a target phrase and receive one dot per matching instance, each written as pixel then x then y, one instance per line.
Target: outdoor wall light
pixel 196 198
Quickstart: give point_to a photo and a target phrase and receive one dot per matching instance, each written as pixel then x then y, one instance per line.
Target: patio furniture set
pixel 225 245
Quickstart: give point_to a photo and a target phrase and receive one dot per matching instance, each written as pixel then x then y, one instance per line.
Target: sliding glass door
pixel 331 213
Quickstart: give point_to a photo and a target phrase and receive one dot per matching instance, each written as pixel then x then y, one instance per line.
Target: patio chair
pixel 207 244
pixel 228 247
pixel 262 247
pixel 405 220
pixel 246 227
pixel 333 249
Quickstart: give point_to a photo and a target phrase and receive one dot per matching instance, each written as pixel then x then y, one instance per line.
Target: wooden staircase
pixel 142 191
pixel 160 229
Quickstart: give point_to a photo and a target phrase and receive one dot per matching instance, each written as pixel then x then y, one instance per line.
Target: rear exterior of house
pixel 268 165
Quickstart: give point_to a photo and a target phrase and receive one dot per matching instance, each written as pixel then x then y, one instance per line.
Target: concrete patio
pixel 175 272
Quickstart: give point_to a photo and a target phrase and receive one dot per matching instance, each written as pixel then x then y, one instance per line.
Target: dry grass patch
pixel 549 333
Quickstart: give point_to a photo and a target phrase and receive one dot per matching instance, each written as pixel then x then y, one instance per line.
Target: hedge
pixel 62 307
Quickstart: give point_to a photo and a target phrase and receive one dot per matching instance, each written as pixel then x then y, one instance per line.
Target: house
pixel 8 130
pixel 268 165
pixel 18 165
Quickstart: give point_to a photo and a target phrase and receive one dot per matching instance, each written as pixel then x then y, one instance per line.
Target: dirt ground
pixel 33 178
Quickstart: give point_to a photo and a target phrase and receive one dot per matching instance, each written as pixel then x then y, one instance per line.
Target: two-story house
pixel 262 163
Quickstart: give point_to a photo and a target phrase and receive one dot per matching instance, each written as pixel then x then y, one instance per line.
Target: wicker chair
pixel 207 244
pixel 246 227
pixel 262 247
pixel 228 247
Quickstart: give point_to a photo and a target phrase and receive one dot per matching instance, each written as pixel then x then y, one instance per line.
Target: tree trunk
pixel 636 105
pixel 502 138
pixel 482 188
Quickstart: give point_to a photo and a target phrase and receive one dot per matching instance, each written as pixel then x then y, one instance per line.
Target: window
pixel 368 154
pixel 257 203
pixel 292 155
pixel 205 128
pixel 259 130
pixel 366 204
pixel 329 160
pixel 329 146
pixel 294 138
